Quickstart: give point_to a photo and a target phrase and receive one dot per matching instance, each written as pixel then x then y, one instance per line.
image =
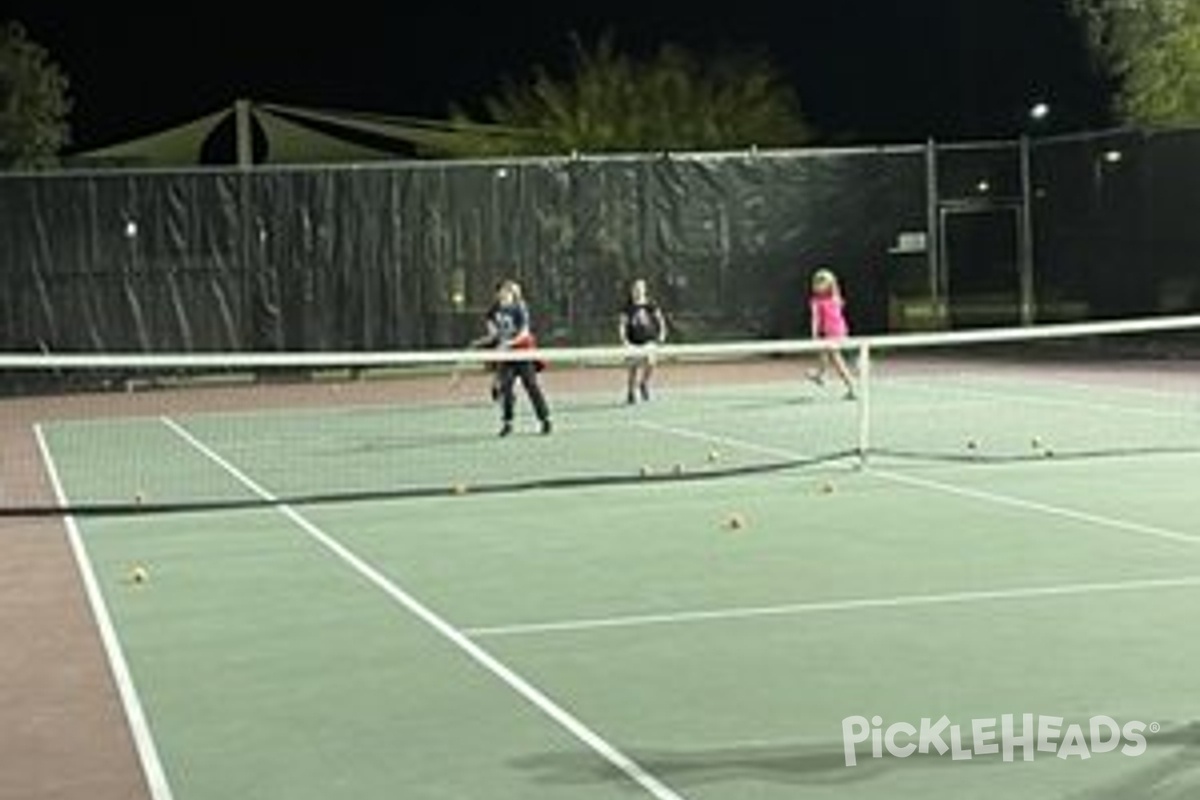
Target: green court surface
pixel 649 635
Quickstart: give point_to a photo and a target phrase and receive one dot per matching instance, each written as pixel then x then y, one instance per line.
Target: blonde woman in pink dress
pixel 828 321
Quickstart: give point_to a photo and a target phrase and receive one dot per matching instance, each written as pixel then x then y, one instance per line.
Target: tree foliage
pixel 33 102
pixel 612 101
pixel 1151 50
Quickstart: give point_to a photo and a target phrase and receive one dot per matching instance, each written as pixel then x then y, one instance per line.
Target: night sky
pixel 866 71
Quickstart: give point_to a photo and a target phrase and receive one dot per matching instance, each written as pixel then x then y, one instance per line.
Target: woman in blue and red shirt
pixel 508 327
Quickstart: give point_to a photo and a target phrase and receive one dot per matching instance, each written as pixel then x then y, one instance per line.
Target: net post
pixel 864 403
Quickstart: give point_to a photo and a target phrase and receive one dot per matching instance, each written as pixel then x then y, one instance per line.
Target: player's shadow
pixel 1174 776
pixel 792 764
pixel 797 764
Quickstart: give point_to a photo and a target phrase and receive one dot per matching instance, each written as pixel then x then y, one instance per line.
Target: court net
pixel 130 434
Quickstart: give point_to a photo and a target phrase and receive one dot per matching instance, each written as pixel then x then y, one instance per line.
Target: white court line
pixel 713 438
pixel 1182 412
pixel 994 498
pixel 135 715
pixel 901 601
pixel 528 691
pixel 830 606
pixel 1033 505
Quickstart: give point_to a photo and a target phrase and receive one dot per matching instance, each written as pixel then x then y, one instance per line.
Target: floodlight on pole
pixel 1039 111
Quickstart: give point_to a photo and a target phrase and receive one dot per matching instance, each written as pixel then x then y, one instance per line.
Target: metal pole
pixel 250 278
pixel 245 135
pixel 1025 232
pixel 864 403
pixel 933 240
